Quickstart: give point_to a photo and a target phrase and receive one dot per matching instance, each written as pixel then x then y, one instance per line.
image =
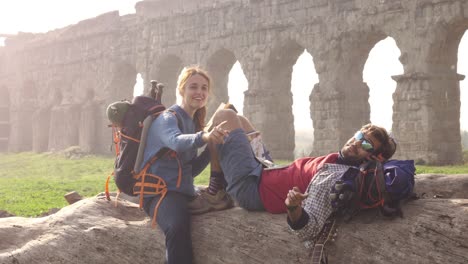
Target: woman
pixel 169 184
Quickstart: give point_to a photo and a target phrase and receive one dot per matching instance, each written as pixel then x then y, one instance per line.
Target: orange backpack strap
pixel 116 139
pixel 128 137
pixel 107 186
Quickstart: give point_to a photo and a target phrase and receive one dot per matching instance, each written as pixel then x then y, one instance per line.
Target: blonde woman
pixel 168 186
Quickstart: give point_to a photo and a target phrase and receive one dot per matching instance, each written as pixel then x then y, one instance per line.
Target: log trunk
pixel 93 230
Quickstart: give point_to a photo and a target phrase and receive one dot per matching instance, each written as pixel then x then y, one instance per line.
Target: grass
pixel 454 169
pixel 32 184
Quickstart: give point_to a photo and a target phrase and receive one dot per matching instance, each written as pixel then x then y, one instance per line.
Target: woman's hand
pixel 216 135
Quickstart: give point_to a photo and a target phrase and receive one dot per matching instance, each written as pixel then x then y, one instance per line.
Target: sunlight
pixel 463 69
pixel 303 79
pixel 380 66
pixel 237 85
pixel 139 87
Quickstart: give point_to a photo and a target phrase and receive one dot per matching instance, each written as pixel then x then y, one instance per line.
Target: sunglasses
pixel 365 144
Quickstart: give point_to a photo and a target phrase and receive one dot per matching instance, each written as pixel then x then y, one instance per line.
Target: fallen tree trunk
pixel 94 231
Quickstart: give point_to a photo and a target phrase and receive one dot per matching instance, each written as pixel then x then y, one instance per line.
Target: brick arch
pixel 218 65
pixel 167 71
pixel 122 81
pixel 380 96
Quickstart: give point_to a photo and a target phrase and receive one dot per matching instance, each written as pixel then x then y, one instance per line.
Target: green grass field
pixel 32 184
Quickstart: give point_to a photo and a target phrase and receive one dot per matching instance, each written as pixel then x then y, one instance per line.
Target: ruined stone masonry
pixel 54 87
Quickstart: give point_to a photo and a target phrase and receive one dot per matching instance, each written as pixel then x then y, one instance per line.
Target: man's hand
pixel 295 197
pixel 293 203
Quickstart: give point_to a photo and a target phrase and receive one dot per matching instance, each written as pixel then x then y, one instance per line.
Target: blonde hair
pixel 200 114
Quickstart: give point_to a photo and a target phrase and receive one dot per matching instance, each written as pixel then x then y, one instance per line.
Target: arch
pixel 123 81
pixel 167 72
pixel 237 85
pixel 304 78
pixel 357 48
pixel 218 65
pixel 340 102
pixel 382 63
pixel 139 87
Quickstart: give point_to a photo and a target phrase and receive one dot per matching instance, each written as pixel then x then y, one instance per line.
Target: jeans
pixel 241 170
pixel 174 220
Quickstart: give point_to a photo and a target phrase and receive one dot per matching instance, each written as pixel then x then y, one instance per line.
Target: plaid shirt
pixel 318 205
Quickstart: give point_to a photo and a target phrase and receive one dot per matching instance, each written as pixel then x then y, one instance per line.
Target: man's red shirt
pixel 276 183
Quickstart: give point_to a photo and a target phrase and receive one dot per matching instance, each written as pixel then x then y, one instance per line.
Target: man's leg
pixel 174 220
pixel 233 122
pixel 215 193
pixel 236 161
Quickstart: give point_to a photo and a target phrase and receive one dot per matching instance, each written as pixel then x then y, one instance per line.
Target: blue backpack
pixel 399 178
pixel 374 185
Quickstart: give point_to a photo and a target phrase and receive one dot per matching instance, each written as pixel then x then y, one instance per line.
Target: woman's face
pixel 195 94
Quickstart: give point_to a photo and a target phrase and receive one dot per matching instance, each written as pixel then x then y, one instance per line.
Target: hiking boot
pixel 199 205
pixel 219 201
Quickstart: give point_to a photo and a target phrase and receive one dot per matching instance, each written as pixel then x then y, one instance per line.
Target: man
pixel 235 162
pixel 279 190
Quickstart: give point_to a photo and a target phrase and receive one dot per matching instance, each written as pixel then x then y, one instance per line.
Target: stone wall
pixel 95 62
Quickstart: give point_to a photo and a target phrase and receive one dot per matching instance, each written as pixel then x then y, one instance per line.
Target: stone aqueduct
pixel 54 87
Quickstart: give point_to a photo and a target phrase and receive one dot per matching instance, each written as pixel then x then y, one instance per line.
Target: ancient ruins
pixel 54 87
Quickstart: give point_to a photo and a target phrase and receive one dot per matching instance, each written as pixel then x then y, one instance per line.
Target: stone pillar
pixel 167 71
pixel 40 129
pixel 268 104
pixel 4 127
pixel 219 92
pixel 103 131
pixel 218 66
pixel 339 104
pixel 325 111
pixel 21 128
pixel 89 119
pixel 426 117
pixel 64 126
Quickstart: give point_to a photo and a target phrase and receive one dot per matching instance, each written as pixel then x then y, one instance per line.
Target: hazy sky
pixel 45 15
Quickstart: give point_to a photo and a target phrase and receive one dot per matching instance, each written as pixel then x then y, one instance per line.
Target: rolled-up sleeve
pixel 172 137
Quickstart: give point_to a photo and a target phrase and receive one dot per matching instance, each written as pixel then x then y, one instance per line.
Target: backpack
pixel 130 124
pixel 374 185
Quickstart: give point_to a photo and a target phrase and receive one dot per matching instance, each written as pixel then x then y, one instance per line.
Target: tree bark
pixel 433 230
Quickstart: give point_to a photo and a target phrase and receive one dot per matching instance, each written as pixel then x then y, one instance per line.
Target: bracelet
pixel 292 208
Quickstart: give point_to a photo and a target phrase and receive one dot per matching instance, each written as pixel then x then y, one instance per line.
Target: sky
pixel 44 15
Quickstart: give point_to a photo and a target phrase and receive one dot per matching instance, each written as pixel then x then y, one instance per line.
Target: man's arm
pixel 293 203
pixel 316 204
